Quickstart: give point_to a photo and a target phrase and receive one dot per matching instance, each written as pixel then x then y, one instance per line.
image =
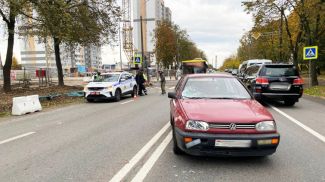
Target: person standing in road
pixel 162 82
pixel 140 82
pixel 145 82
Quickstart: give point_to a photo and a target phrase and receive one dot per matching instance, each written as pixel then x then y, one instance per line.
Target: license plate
pixel 94 93
pixel 233 143
pixel 280 86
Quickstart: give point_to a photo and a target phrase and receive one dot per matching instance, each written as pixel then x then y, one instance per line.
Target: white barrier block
pixel 23 105
pixel 34 102
pixel 19 106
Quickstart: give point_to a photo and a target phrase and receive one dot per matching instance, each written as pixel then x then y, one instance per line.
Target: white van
pixel 251 62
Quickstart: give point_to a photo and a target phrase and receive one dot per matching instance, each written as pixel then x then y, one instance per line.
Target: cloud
pixel 214 25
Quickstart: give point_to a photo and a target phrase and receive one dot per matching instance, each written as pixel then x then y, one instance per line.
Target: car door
pixel 129 82
pixel 123 83
pixel 251 76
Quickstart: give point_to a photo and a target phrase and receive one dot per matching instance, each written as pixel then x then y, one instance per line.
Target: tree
pixel 165 44
pixel 305 22
pixel 75 22
pixel 9 10
pixel 230 63
pixel 15 65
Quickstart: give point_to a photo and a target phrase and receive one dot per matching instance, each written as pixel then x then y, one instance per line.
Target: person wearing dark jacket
pixel 162 82
pixel 140 82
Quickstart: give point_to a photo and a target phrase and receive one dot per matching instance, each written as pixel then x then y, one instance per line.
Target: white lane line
pixel 127 167
pixel 16 137
pixel 127 102
pixel 142 173
pixel 311 131
pixel 171 88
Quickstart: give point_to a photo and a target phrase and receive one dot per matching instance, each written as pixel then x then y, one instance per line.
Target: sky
pixel 216 26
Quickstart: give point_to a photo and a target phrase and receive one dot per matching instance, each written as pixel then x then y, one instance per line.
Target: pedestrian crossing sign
pixel 310 52
pixel 137 59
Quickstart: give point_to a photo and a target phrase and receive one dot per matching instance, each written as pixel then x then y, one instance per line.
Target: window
pixel 280 71
pixel 214 88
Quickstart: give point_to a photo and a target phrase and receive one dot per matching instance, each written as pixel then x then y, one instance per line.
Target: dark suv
pixel 275 81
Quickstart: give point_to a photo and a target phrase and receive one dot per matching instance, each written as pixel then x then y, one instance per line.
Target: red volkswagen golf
pixel 215 115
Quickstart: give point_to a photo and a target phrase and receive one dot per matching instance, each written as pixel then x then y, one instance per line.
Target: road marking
pixel 311 131
pixel 16 137
pixel 127 102
pixel 127 167
pixel 142 173
pixel 171 88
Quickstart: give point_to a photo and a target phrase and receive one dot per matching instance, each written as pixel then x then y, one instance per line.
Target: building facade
pixel 152 11
pixel 92 55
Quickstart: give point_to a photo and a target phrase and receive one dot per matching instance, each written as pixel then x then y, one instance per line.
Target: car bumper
pixel 98 95
pixel 277 96
pixel 207 147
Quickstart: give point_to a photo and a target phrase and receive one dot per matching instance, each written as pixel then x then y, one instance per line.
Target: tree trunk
pixel 7 66
pixel 58 60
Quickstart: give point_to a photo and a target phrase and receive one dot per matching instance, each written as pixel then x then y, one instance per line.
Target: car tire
pixel 176 149
pixel 134 91
pixel 117 95
pixel 289 102
pixel 90 100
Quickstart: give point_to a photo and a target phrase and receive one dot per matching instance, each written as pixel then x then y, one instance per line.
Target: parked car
pixel 215 115
pixel 280 82
pixel 234 72
pixel 111 86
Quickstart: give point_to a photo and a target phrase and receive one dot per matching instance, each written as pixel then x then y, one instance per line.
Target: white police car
pixel 111 86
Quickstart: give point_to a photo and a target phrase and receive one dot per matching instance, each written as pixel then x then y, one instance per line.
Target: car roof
pixel 278 64
pixel 114 73
pixel 218 75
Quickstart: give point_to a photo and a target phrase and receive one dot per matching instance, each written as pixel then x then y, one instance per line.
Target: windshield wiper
pixel 194 97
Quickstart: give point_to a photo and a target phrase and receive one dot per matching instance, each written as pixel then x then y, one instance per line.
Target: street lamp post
pixel 119 31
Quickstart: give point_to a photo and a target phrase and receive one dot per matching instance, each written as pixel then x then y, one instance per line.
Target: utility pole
pixel 119 32
pixel 142 47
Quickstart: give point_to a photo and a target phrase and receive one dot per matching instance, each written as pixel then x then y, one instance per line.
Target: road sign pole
pixel 309 73
pixel 310 53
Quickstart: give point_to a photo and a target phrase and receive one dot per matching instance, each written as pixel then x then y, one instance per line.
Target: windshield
pixel 278 72
pixel 108 78
pixel 215 88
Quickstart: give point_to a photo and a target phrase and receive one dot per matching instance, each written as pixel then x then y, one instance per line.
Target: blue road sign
pixel 137 59
pixel 310 52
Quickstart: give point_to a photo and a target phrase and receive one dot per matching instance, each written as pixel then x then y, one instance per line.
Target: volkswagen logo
pixel 232 126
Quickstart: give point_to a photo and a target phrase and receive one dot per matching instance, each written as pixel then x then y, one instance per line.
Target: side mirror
pixel 172 95
pixel 122 79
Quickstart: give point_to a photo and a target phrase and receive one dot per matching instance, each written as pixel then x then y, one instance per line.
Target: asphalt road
pixel 130 141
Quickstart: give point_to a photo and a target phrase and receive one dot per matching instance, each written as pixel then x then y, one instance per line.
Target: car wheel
pixel 289 102
pixel 134 91
pixel 176 149
pixel 90 100
pixel 117 95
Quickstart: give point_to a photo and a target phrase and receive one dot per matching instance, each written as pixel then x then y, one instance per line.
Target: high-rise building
pixel 71 57
pixel 157 10
pixel 92 56
pixel 35 55
pixel 139 9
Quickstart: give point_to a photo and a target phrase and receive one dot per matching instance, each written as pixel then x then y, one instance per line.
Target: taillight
pixel 298 81
pixel 262 80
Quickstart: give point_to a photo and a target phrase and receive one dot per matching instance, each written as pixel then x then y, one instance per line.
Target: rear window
pixel 214 88
pixel 279 71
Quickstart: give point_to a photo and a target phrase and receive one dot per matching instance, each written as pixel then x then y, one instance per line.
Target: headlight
pixel 110 88
pixel 265 126
pixel 197 125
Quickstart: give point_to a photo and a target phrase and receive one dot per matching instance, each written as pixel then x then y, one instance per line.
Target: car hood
pixel 101 84
pixel 225 110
